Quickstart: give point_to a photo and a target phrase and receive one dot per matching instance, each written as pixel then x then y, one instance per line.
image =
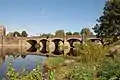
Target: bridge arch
pixel 95 40
pixel 57 51
pixel 33 44
pixel 72 40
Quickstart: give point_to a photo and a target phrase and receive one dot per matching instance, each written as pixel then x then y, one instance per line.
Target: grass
pixel 70 71
pixel 55 61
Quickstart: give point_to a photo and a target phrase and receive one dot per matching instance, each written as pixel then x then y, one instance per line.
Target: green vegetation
pixel 110 69
pixel 17 34
pixel 24 34
pixel 86 32
pixel 76 33
pixel 108 27
pixel 60 33
pixel 46 35
pixel 90 51
pixel 80 71
pixel 33 75
pixel 91 61
pixel 69 33
pixel 54 62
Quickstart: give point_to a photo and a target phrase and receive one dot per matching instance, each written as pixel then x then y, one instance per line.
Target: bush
pixel 110 69
pixel 81 72
pixel 90 51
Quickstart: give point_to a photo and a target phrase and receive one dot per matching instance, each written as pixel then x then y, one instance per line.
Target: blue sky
pixel 47 16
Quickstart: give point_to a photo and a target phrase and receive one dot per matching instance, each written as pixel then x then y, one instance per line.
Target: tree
pixel 76 33
pixel 69 33
pixel 24 34
pixel 10 34
pixel 16 34
pixel 86 32
pixel 46 35
pixel 108 26
pixel 60 33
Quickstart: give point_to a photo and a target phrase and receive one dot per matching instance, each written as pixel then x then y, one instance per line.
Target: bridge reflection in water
pixel 22 58
pixel 19 59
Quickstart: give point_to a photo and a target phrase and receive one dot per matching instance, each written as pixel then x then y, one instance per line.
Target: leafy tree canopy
pixel 60 33
pixel 10 34
pixel 76 33
pixel 108 26
pixel 46 35
pixel 86 32
pixel 24 34
pixel 16 33
pixel 69 33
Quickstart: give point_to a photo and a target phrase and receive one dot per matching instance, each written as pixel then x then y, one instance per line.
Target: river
pixel 20 60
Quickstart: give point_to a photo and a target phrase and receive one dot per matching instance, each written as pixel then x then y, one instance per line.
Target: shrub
pixel 80 72
pixel 90 51
pixel 110 69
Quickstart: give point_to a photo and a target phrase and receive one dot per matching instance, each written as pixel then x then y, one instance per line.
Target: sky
pixel 47 16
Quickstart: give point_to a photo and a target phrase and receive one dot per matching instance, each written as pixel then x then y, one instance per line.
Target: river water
pixel 20 60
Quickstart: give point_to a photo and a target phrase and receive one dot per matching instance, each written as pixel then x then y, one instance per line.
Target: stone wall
pixel 10 41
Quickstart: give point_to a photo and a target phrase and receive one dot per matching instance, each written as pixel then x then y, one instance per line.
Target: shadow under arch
pixel 23 56
pixel 33 45
pixel 56 50
pixel 71 41
pixel 44 50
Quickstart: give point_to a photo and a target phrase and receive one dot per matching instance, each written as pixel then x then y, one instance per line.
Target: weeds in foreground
pixel 80 72
pixel 90 52
pixel 110 69
pixel 35 74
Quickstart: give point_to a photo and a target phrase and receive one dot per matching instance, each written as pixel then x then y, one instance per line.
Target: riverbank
pixel 73 69
pixel 93 62
pixel 61 65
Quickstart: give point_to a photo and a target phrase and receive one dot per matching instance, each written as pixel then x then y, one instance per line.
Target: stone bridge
pixel 43 42
pixel 43 45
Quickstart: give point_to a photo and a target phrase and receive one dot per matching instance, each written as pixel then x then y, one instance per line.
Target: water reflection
pixel 22 58
pixel 19 59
